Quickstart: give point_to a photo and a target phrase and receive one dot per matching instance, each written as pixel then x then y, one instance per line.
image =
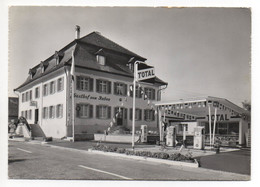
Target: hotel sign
pixel 145 74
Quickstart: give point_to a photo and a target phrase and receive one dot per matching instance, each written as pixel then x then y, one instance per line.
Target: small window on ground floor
pixel 103 112
pixel 84 110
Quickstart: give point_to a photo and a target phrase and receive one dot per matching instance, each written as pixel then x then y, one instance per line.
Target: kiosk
pixel 171 136
pixel 144 133
pixel 199 138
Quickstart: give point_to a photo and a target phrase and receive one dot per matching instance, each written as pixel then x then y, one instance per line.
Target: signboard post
pixel 138 76
pixel 209 125
pixel 215 105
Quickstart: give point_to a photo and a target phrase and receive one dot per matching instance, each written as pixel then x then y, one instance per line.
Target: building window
pixel 45 89
pixel 150 93
pixel 101 60
pixel 138 92
pixel 120 89
pixel 84 110
pixel 60 84
pixel 30 95
pixel 22 113
pixel 59 111
pixel 181 127
pixel 138 114
pixel 26 114
pixel 84 83
pixel 26 96
pixel 51 112
pixel 52 87
pixel 30 114
pixel 23 97
pixel 149 115
pixel 37 92
pixel 103 112
pixel 103 86
pixel 45 112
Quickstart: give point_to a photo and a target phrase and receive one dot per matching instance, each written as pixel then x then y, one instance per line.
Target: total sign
pixel 145 74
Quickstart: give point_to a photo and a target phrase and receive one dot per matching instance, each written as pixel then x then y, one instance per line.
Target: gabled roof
pixel 86 59
pixel 198 111
pixel 95 38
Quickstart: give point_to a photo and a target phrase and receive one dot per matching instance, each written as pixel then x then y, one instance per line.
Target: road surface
pixel 37 161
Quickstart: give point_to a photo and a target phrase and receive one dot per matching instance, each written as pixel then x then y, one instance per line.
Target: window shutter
pixel 153 94
pixel 90 111
pixel 77 111
pixel 115 88
pixel 77 82
pixel 97 111
pixel 57 110
pixel 125 89
pixel 140 114
pixel 125 110
pixel 109 87
pixel 145 93
pixel 153 116
pixel 145 114
pixel 61 109
pixel 97 85
pixel 91 84
pixel 131 91
pixel 131 114
pixel 109 112
pixel 62 84
pixel 54 86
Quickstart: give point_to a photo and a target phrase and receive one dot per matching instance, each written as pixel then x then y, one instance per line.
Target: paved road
pixel 34 161
pixel 234 161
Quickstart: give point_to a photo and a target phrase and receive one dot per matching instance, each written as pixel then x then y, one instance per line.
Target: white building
pixel 104 75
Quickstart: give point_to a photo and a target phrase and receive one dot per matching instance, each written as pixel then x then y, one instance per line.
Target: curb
pixel 162 161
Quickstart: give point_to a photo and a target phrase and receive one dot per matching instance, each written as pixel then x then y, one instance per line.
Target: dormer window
pixel 58 56
pixel 43 66
pixel 32 73
pixel 101 60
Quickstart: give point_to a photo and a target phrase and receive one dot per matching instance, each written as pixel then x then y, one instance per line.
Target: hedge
pixel 160 155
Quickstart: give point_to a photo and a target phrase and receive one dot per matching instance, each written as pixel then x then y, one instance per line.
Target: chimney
pixel 77 34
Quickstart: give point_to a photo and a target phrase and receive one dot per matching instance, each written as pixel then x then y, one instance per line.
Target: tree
pixel 247 105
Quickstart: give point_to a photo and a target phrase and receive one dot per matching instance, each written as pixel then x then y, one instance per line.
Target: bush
pixel 129 152
pixel 160 155
pixel 120 150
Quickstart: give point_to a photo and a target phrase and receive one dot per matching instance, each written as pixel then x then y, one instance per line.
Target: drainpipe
pixel 66 73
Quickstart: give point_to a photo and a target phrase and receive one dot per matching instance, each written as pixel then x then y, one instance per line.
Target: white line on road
pixel 120 176
pixel 24 150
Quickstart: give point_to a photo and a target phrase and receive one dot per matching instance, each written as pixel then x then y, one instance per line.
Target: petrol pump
pixel 171 136
pixel 199 138
pixel 144 133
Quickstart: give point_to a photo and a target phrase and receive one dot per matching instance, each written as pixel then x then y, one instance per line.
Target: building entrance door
pixel 36 116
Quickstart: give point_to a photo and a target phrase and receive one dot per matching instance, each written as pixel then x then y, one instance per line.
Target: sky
pixel 198 51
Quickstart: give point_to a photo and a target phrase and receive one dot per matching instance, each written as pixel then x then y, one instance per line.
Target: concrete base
pixel 115 138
